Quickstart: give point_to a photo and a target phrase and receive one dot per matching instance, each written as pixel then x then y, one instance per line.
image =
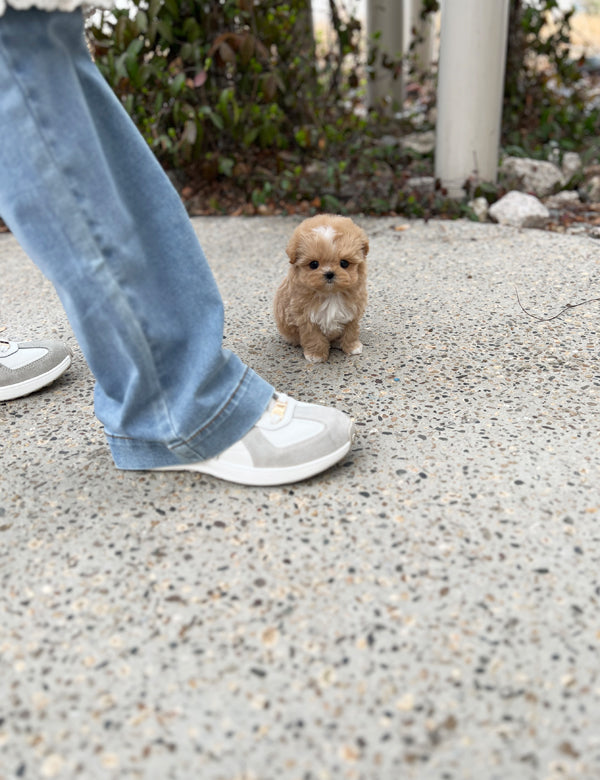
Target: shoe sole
pixel 260 477
pixel 35 383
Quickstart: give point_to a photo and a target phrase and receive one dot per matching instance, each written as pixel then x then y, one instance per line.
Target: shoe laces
pixel 4 345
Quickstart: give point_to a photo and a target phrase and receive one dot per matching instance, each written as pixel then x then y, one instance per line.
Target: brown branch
pixel 568 307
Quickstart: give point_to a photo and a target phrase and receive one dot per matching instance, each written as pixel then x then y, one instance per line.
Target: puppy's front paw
pixel 315 358
pixel 354 349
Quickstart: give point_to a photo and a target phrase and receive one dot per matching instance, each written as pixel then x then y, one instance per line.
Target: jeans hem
pixel 241 412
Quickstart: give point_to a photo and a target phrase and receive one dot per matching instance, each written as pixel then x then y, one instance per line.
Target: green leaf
pixel 165 29
pixel 226 166
pixel 177 84
pixel 250 136
pixel 141 21
pixel 134 48
pixel 192 30
pixel 172 7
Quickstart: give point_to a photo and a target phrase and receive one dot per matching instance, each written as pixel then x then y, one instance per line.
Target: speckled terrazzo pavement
pixel 428 609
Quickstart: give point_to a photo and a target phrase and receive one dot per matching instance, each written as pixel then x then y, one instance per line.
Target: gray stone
pixel 591 188
pixel 562 199
pixel 534 176
pixel 480 207
pixel 554 156
pixel 571 165
pixel 520 210
pixel 422 143
pixel 316 169
pixel 422 184
pixel 389 140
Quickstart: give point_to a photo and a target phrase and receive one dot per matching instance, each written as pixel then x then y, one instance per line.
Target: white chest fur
pixel 331 313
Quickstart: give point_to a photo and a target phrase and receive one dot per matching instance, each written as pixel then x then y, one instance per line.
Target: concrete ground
pixel 430 608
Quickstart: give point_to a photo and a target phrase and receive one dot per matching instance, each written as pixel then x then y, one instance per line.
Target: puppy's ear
pixel 364 242
pixel 292 247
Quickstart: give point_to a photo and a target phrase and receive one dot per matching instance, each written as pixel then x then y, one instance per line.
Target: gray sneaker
pixel 28 366
pixel 292 441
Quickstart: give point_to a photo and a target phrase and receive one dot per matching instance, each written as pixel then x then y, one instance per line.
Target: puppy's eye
pixel 344 263
pixel 314 264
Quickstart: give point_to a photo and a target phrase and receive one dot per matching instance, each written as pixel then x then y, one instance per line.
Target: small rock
pixel 591 189
pixel 562 199
pixel 577 229
pixel 535 176
pixel 480 207
pixel 520 210
pixel 316 168
pixel 554 155
pixel 422 143
pixel 422 184
pixel 594 232
pixel 571 165
pixel 389 140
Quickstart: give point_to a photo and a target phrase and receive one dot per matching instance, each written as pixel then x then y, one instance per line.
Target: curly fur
pixel 318 306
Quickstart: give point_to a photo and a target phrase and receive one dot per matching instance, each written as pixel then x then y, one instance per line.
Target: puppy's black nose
pixel 329 275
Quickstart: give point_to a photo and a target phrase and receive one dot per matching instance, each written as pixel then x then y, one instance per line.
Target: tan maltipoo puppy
pixel 324 295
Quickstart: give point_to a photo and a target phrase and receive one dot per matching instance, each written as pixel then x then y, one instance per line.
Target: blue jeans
pixel 86 199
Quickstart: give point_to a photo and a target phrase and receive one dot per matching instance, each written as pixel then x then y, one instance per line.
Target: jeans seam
pixel 28 102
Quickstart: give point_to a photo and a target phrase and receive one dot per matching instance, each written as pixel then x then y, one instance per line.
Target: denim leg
pixel 88 202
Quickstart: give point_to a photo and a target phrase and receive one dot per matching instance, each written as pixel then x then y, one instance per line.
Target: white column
pixel 423 51
pixel 469 93
pixel 384 18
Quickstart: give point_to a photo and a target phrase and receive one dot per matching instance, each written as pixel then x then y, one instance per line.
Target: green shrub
pixel 238 96
pixel 204 78
pixel 545 101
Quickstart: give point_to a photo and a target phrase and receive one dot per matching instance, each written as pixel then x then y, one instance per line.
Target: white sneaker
pixel 28 366
pixel 292 441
